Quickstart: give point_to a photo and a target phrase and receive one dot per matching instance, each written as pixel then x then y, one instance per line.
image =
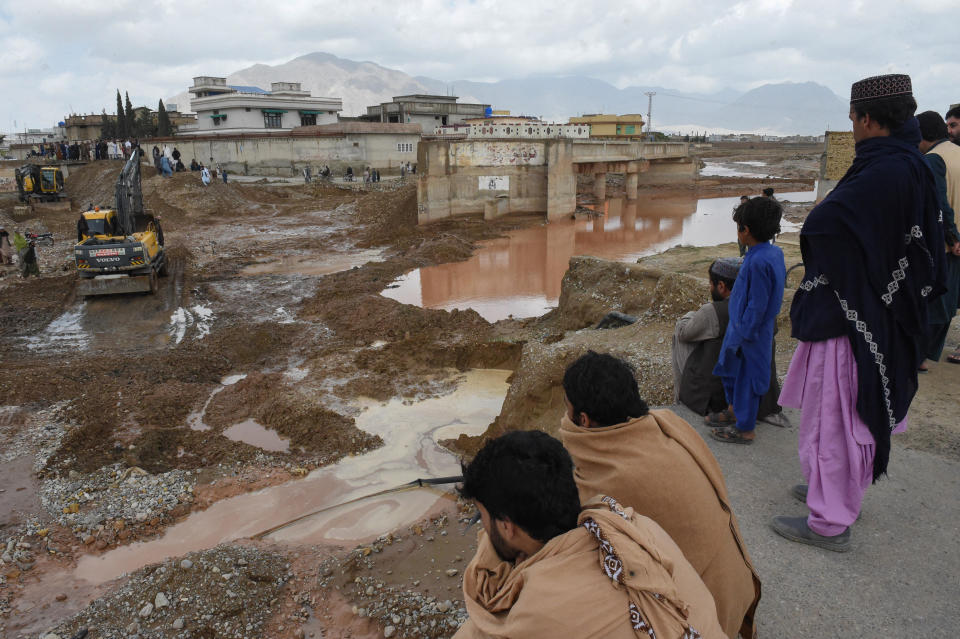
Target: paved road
pixel 902 577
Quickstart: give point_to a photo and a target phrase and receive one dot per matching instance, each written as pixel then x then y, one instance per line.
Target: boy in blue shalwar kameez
pixel 744 363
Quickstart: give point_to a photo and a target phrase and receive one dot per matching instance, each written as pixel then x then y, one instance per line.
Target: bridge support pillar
pixel 600 186
pixel 632 180
pixel 561 180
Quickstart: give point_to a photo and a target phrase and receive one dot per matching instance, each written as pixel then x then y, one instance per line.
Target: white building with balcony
pixel 230 109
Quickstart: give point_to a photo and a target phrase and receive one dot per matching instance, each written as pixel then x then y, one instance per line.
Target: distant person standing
pixel 6 249
pixel 953 124
pixel 873 252
pixel 943 159
pixel 747 349
pixel 740 246
pixel 205 175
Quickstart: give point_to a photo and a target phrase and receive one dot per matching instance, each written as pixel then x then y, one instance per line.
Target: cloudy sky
pixel 67 56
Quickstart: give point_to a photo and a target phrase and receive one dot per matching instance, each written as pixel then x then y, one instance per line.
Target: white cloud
pixel 153 48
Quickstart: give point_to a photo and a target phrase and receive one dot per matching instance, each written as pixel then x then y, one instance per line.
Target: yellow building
pixel 612 126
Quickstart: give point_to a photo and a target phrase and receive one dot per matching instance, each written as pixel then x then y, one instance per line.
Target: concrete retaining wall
pixel 287 156
pixel 456 178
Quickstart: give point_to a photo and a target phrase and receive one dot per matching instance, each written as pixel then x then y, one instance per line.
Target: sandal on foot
pixel 954 357
pixel 724 417
pixel 730 435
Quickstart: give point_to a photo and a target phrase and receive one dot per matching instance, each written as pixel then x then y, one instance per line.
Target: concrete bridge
pixel 501 176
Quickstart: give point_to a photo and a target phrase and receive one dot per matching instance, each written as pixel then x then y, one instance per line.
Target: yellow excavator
pixel 39 183
pixel 120 250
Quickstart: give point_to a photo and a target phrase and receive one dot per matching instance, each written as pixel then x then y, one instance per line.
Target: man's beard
pixel 715 295
pixel 504 551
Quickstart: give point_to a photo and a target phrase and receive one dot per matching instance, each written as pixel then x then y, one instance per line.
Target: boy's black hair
pixel 887 112
pixel 768 191
pixel 603 387
pixel 932 126
pixel 526 477
pixel 762 216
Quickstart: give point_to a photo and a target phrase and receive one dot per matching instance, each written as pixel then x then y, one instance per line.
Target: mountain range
pixel 804 108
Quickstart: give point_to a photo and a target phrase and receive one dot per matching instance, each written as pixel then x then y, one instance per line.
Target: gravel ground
pixel 227 591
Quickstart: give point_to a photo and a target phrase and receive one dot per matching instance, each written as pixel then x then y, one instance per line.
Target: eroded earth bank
pixel 148 442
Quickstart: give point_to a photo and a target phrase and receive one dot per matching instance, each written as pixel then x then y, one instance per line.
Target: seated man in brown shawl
pixel 656 463
pixel 544 568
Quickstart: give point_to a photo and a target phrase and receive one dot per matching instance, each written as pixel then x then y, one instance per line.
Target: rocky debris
pixel 32 432
pixel 115 498
pixel 408 612
pixel 165 600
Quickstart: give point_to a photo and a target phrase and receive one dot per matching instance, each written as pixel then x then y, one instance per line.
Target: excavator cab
pixel 100 224
pixel 51 179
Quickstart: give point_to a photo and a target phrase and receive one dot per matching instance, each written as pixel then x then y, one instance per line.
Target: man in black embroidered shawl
pixel 873 254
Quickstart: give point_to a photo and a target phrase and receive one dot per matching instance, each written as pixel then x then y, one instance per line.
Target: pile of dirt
pixel 310 427
pixel 593 287
pixel 535 399
pixel 94 183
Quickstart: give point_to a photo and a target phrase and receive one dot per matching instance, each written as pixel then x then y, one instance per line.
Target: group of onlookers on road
pixel 623 528
pixel 85 150
pixel 168 161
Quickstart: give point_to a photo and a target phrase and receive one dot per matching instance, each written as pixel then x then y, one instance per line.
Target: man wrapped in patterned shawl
pixel 544 568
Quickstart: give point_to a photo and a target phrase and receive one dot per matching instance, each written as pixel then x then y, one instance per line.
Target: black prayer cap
pixel 881 86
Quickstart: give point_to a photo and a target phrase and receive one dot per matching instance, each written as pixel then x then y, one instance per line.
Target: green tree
pixel 146 127
pixel 163 121
pixel 108 128
pixel 129 116
pixel 121 118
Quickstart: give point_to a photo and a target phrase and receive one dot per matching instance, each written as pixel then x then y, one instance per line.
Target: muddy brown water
pixel 410 432
pixel 520 275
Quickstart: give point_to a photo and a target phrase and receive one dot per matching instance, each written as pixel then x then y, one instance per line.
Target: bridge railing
pixel 604 150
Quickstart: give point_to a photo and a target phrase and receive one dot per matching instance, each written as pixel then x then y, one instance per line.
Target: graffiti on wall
pixel 496 154
pixel 493 183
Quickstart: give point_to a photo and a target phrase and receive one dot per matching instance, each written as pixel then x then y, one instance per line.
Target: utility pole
pixel 649 95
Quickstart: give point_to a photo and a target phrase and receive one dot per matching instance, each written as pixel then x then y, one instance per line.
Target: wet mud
pixel 271 378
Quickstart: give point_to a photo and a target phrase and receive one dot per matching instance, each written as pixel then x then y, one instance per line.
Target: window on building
pixel 272 120
pixel 630 129
pixel 308 119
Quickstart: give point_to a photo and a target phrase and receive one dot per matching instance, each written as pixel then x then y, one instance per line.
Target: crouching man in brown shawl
pixel 546 569
pixel 656 463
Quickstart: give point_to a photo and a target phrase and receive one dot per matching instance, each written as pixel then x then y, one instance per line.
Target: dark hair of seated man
pixel 525 477
pixel 603 388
